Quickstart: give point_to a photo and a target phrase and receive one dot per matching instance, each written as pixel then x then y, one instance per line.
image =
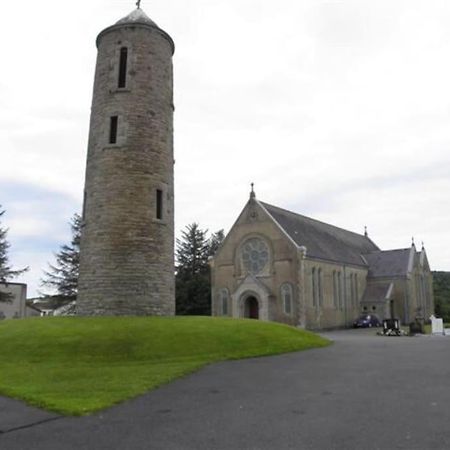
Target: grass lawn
pixel 76 366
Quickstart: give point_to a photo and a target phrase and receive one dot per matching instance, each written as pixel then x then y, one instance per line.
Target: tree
pixel 192 280
pixel 441 287
pixel 192 250
pixel 6 271
pixel 215 241
pixel 192 276
pixel 63 276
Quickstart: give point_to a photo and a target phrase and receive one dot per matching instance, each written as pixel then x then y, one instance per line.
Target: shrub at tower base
pixel 80 365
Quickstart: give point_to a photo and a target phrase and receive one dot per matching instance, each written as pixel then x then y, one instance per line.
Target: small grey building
pixel 16 309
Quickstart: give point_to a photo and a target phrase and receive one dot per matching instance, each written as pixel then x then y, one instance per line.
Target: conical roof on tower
pixel 137 18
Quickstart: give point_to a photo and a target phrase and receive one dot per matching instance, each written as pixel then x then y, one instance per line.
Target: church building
pixel 281 266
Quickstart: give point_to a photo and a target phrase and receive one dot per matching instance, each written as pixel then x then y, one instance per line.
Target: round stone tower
pixel 127 243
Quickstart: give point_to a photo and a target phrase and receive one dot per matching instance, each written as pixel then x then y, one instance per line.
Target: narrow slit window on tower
pixel 123 67
pixel 159 203
pixel 113 125
pixel 84 205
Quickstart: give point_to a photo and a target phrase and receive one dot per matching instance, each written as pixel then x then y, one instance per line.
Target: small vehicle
pixel 366 321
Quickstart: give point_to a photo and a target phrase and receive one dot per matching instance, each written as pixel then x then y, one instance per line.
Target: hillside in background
pixel 441 285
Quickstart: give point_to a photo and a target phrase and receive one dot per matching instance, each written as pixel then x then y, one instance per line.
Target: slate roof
pixel 322 240
pixel 376 292
pixel 388 263
pixel 137 16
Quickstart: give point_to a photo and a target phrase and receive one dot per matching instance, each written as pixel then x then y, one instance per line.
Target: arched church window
pixel 255 255
pixel 422 291
pixel 224 301
pixel 339 284
pixel 320 286
pixel 416 278
pixel 427 293
pixel 286 297
pixel 314 286
pixel 335 290
pixel 352 291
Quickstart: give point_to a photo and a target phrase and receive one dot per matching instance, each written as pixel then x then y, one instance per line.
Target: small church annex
pixel 280 266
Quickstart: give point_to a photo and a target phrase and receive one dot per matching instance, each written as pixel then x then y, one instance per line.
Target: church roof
pixel 388 263
pixel 377 292
pixel 136 16
pixel 322 240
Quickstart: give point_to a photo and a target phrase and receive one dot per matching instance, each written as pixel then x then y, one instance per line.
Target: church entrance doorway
pixel 251 308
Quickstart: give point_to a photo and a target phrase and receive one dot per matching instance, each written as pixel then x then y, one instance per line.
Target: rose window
pixel 255 255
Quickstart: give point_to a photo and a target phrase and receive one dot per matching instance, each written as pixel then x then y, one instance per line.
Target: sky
pixel 336 109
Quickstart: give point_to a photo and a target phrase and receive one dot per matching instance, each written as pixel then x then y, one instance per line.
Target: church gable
pixel 256 261
pixel 424 261
pixel 254 224
pixel 396 263
pixel 391 263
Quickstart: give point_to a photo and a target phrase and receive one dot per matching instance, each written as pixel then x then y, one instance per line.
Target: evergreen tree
pixel 63 276
pixel 6 271
pixel 215 241
pixel 441 286
pixel 193 285
pixel 192 275
pixel 192 250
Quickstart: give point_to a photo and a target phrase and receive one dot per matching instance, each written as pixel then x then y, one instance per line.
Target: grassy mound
pixel 80 365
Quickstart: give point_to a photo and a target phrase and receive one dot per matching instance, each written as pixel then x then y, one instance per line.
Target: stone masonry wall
pixel 127 265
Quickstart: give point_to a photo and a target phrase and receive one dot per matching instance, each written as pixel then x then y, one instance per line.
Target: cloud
pixel 37 221
pixel 336 109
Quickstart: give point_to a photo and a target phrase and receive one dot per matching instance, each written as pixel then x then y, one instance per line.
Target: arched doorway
pixel 251 308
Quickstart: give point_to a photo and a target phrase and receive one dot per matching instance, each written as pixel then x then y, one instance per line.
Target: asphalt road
pixel 364 392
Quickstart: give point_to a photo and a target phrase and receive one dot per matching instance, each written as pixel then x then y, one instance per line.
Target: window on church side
pixel 423 291
pixel 320 287
pixel 352 291
pixel 113 127
pixel 314 286
pixel 427 294
pixel 419 302
pixel 123 67
pixel 335 290
pixel 159 204
pixel 286 296
pixel 339 283
pixel 224 301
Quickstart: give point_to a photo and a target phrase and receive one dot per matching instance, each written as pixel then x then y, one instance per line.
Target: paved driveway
pixel 364 392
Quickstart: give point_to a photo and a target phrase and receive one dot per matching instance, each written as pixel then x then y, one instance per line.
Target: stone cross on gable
pixel 138 4
pixel 252 192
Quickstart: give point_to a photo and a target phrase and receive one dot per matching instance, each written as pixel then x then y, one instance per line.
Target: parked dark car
pixel 366 321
